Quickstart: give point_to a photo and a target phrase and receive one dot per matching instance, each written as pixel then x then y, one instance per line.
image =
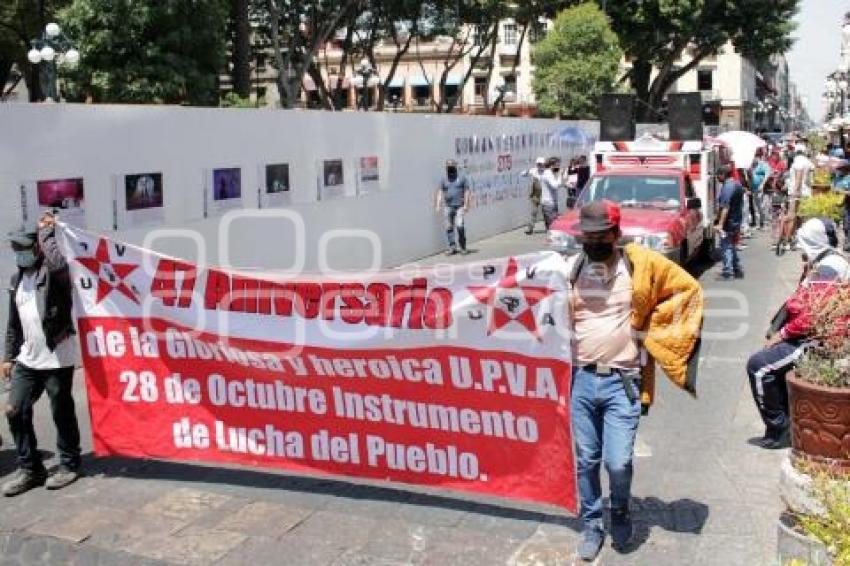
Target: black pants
pixel 26 387
pixel 767 369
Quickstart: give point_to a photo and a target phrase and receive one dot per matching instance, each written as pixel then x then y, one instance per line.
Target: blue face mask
pixel 25 258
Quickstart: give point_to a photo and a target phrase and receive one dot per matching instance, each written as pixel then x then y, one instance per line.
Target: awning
pixel 453 80
pixel 419 80
pixel 397 82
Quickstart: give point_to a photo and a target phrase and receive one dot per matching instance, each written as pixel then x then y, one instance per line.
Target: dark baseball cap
pixel 599 216
pixel 23 238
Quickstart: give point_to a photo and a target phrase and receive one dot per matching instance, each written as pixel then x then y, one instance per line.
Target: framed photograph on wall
pixel 331 179
pixel 140 200
pixel 275 189
pixel 368 175
pixel 65 197
pixel 223 190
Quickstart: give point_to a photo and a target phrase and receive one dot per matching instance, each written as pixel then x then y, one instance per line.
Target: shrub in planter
pixel 827 205
pixel 832 527
pixel 819 389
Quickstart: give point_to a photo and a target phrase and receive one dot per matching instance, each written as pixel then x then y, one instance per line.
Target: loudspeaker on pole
pixel 616 117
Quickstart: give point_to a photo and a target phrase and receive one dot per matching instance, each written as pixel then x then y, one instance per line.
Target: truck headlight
pixel 562 241
pixel 660 242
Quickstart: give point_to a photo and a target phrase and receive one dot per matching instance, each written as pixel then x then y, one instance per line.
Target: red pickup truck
pixel 659 209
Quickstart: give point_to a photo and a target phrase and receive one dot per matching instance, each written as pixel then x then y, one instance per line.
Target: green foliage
pixel 827 205
pixel 233 100
pixel 577 61
pixel 828 362
pixel 147 51
pixel 832 527
pixel 656 33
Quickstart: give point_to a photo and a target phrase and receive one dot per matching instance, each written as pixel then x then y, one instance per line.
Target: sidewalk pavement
pixel 702 494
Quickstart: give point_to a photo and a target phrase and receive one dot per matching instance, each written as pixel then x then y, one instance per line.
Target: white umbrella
pixel 743 146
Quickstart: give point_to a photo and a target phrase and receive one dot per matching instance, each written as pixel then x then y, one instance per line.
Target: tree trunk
pixel 241 57
pixel 640 80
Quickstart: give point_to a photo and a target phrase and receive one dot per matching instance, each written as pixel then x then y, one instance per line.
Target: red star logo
pixel 509 294
pixel 110 275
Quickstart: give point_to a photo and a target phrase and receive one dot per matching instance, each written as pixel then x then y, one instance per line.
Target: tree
pixel 577 61
pixel 655 34
pixel 240 52
pixel 21 21
pixel 147 51
pixel 297 30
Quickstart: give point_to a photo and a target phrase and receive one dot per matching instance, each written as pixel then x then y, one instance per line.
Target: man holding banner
pixel 40 354
pixel 620 302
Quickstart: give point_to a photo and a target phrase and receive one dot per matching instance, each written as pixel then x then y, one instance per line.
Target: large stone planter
pixel 820 423
pixel 793 545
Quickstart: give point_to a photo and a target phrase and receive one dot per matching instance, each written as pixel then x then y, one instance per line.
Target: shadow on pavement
pixel 680 516
pixel 251 478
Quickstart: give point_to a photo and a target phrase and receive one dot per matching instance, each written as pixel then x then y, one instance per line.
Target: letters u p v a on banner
pixel 453 377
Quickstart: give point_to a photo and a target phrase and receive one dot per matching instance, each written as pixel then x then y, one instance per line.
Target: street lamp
pixel 52 49
pixel 365 70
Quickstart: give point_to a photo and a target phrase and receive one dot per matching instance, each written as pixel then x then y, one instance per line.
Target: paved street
pixel 703 495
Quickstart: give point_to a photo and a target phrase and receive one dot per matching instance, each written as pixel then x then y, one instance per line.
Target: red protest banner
pixel 462 385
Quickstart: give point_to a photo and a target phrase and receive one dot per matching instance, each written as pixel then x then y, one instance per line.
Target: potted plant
pixel 823 205
pixel 821 181
pixel 819 388
pixel 820 536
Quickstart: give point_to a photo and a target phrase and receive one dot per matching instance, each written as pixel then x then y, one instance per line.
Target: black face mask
pixel 451 172
pixel 598 251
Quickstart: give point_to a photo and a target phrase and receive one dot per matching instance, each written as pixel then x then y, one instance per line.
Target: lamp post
pixel 365 70
pixel 50 50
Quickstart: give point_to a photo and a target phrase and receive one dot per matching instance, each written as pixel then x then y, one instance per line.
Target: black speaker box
pixel 685 116
pixel 616 117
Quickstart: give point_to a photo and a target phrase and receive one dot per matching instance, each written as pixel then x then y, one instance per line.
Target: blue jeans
pixel 604 423
pixel 729 254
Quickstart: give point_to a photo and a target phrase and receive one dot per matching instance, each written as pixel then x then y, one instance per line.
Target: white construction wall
pixel 102 143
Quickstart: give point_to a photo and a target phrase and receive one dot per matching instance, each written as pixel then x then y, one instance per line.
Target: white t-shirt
pixel 550 183
pixel 802 165
pixel 34 352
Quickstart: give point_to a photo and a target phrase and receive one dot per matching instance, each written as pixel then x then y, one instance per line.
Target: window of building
pixel 450 94
pixel 705 79
pixel 395 96
pixel 509 34
pixel 510 83
pixel 261 92
pixel 422 95
pixel 261 61
pixel 480 89
pixel 537 32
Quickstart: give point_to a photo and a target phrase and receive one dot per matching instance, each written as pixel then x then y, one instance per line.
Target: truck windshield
pixel 636 191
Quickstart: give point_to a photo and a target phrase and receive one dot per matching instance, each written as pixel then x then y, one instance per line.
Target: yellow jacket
pixel 667 305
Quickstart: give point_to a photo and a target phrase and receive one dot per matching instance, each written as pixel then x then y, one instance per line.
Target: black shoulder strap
pixel 581 259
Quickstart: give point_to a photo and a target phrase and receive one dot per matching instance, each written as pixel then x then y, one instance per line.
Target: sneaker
pixel 62 477
pixel 23 481
pixel 776 441
pixel 739 275
pixel 741 247
pixel 590 544
pixel 622 528
pixel 451 251
pixel 464 251
pixel 529 232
